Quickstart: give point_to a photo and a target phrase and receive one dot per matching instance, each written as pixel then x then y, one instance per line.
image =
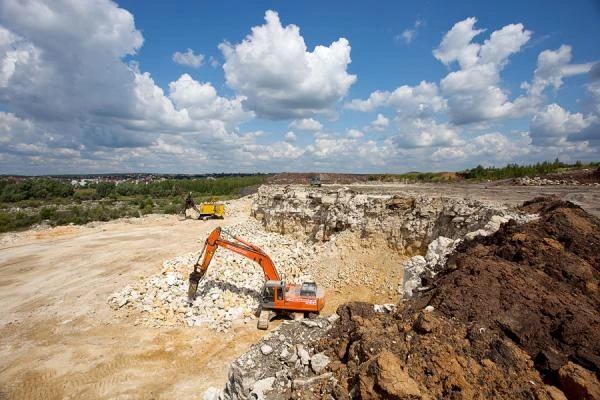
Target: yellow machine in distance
pixel 211 210
pixel 205 210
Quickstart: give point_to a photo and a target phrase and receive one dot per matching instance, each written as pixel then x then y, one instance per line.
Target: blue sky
pixel 191 87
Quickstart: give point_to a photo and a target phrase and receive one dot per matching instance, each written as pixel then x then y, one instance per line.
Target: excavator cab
pixel 272 291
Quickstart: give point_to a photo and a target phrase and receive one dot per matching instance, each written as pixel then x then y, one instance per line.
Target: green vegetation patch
pixel 31 201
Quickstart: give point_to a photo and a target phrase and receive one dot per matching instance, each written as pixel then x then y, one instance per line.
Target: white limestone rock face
pixel 438 251
pixel 413 270
pixel 409 222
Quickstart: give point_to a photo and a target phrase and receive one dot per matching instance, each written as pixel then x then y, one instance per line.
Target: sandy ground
pixel 59 339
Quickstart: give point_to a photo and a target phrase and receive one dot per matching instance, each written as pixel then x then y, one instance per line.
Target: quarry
pixel 433 291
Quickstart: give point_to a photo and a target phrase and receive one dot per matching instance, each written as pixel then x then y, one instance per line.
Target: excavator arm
pixel 237 245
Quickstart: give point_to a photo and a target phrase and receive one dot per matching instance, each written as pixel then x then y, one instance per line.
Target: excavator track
pixel 263 319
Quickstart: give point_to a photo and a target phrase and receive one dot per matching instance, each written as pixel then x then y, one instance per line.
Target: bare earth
pixel 60 339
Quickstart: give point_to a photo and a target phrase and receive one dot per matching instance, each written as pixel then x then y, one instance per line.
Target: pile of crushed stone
pixel 230 290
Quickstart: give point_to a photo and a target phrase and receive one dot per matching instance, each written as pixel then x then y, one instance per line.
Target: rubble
pixel 260 374
pixel 538 181
pixel 516 317
pixel 318 362
pixel 230 290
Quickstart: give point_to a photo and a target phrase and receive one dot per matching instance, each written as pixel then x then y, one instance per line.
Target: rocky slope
pixel 408 223
pixel 512 315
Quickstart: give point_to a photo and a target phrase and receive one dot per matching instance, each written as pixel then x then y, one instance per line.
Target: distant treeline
pixel 217 187
pixel 45 189
pixel 40 189
pixel 483 173
pixel 518 171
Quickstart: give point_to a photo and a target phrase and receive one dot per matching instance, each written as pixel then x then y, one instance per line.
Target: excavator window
pixel 308 289
pixel 280 290
pixel 269 294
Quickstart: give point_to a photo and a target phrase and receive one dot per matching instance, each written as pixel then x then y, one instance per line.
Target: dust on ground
pixel 58 336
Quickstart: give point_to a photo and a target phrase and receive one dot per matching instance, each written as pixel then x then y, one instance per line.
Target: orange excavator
pixel 278 297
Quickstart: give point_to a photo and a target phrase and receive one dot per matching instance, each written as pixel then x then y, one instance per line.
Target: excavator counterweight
pixel 278 297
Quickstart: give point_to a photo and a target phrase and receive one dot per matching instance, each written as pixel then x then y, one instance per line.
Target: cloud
pixel 333 152
pixel 554 124
pixel 280 79
pixel 65 79
pixel 201 102
pixel 473 91
pixel 456 44
pixel 54 56
pixel 380 123
pixel 306 124
pixel 273 151
pixel 406 100
pixel 290 137
pixel 189 58
pixel 409 34
pixel 425 133
pixel 489 149
pixel 74 100
pixel 354 134
pixel 552 67
pixel 213 62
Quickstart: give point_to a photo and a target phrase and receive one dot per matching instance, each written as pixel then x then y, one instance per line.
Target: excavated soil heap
pixel 537 283
pixel 582 176
pixel 421 355
pixel 515 315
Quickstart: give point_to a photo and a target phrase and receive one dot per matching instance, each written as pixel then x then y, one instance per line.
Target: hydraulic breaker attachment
pixel 195 278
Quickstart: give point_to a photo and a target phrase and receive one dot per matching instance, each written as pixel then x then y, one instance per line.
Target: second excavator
pixel 278 297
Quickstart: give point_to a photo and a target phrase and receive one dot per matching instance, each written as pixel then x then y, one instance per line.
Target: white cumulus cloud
pixel 188 58
pixel 554 124
pixel 380 123
pixel 290 137
pixel 280 78
pixel 425 133
pixel 552 67
pixel 473 91
pixel 406 100
pixel 306 124
pixel 354 134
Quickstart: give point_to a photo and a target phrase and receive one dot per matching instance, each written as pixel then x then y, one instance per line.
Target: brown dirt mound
pixel 581 176
pixel 516 315
pixel 413 355
pixel 537 283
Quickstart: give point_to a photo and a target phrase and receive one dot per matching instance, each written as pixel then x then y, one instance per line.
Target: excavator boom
pixel 277 295
pixel 213 242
